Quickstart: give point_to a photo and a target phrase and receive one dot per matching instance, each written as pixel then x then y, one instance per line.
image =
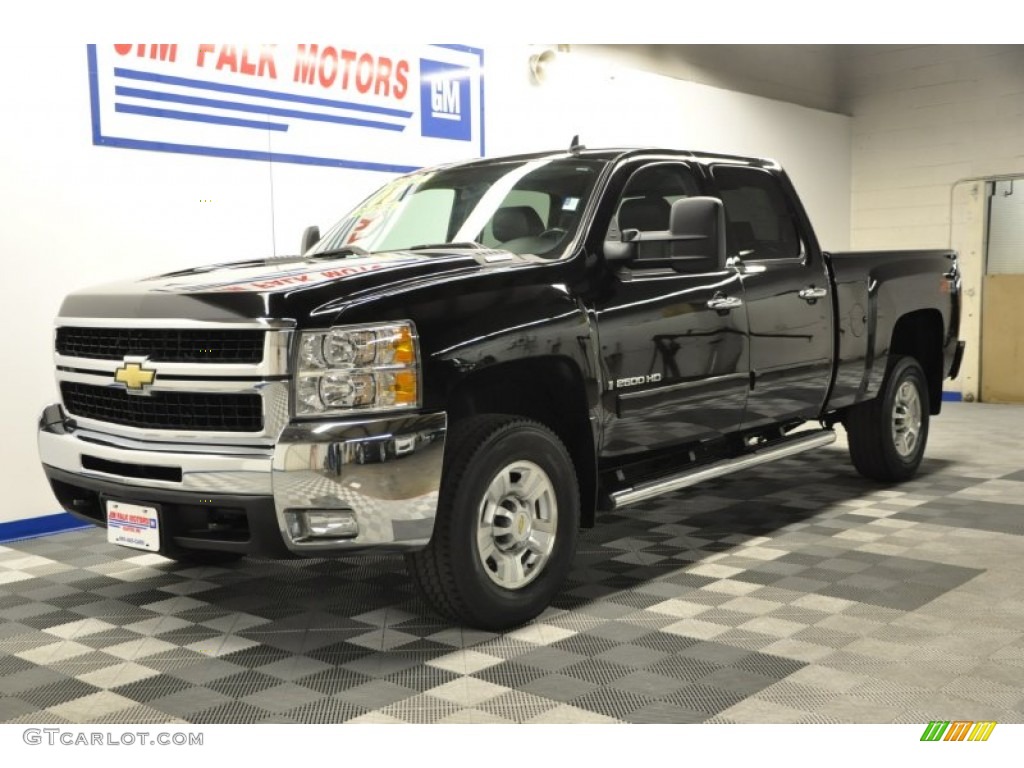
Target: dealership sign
pixel 386 108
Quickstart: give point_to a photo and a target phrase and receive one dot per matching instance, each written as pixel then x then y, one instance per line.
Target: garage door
pixel 1002 318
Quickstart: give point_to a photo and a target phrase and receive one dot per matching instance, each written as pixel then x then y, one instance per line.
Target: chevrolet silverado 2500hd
pixel 482 356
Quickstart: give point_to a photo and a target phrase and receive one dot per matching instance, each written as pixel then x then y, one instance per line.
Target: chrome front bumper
pixel 386 471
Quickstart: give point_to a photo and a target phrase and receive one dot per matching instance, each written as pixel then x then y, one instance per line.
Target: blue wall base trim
pixel 40 526
pixel 952 397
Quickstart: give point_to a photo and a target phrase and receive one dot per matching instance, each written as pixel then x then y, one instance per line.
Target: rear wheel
pixel 888 434
pixel 507 523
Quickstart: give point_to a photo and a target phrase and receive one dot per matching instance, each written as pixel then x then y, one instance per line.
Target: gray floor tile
pixel 376 694
pixel 813 596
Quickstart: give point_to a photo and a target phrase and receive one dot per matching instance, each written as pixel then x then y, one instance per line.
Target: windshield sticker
pixel 366 219
pixel 365 226
pixel 570 203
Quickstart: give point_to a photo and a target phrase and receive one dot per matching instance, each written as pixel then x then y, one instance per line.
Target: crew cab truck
pixel 480 357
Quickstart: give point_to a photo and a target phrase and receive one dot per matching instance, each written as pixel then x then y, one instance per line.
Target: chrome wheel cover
pixel 906 419
pixel 516 524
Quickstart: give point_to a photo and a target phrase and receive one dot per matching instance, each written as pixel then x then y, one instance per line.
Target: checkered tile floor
pixel 796 592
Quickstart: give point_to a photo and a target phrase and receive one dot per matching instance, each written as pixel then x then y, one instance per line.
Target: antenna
pixel 575 146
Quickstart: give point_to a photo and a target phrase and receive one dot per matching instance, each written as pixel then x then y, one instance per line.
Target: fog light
pixel 332 524
pixel 322 524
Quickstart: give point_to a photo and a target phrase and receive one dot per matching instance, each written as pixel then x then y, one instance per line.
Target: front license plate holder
pixel 133 525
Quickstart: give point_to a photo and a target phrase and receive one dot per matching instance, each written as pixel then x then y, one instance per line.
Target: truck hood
pixel 277 288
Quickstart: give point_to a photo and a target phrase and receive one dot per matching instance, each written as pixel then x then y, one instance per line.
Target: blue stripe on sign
pixel 195 117
pixel 461 48
pixel 248 154
pixel 483 122
pixel 239 106
pixel 94 94
pixel 40 526
pixel 188 82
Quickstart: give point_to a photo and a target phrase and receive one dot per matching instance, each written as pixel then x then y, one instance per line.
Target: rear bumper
pixel 386 472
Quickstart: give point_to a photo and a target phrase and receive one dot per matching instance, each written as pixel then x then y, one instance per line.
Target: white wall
pixel 76 214
pixel 927 121
pixel 609 105
pixel 798 74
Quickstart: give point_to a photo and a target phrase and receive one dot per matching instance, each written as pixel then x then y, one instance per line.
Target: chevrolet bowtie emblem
pixel 134 376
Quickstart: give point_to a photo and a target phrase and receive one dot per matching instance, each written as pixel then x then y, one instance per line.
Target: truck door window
pixel 759 222
pixel 646 205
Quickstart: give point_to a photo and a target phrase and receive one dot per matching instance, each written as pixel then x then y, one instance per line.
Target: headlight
pixel 369 367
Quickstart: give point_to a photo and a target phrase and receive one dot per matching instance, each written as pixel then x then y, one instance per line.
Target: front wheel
pixel 508 518
pixel 888 434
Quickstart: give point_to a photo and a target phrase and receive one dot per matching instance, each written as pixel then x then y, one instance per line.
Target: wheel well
pixel 919 335
pixel 550 390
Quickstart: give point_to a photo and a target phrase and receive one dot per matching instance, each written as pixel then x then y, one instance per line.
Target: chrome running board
pixel 790 446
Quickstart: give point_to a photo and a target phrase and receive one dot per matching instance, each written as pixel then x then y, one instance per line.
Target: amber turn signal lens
pixel 403 347
pixel 405 388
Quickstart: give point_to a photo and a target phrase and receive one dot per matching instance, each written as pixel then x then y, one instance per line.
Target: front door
pixel 673 343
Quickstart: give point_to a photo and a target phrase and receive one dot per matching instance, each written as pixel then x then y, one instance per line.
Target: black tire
pixel 881 449
pixel 202 557
pixel 453 573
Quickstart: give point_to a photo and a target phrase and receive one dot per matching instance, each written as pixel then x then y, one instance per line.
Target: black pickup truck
pixel 480 357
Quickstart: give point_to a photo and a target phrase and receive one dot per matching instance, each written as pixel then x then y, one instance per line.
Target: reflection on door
pixel 1002 314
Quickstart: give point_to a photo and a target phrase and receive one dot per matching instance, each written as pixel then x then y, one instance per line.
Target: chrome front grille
pixel 219 398
pixel 164 345
pixel 198 411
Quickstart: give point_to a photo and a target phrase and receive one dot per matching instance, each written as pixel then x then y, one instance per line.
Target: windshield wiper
pixel 437 246
pixel 348 250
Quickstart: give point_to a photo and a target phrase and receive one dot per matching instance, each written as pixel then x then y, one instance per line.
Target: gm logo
pixel 445 108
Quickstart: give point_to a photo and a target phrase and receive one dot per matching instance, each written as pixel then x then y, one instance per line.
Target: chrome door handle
pixel 813 294
pixel 724 303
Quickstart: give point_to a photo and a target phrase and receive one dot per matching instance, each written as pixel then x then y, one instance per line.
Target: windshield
pixel 526 207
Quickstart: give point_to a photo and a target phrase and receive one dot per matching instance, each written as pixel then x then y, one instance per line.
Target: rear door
pixel 673 335
pixel 787 294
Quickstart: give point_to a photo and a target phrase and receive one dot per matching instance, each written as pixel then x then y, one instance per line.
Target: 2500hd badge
pixel 635 381
pixel 482 357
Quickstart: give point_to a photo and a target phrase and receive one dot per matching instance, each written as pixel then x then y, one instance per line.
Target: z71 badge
pixel 634 381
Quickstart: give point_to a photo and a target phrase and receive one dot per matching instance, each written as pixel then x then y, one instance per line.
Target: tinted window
pixel 759 222
pixel 646 205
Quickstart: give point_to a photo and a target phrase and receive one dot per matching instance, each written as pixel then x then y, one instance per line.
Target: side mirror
pixel 696 233
pixel 697 228
pixel 623 249
pixel 310 237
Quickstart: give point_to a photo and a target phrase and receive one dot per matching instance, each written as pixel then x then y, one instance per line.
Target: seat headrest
pixel 648 214
pixel 516 221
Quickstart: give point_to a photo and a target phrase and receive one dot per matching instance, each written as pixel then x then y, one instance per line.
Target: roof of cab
pixel 615 154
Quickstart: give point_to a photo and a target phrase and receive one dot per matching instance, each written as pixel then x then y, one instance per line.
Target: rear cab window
pixel 760 224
